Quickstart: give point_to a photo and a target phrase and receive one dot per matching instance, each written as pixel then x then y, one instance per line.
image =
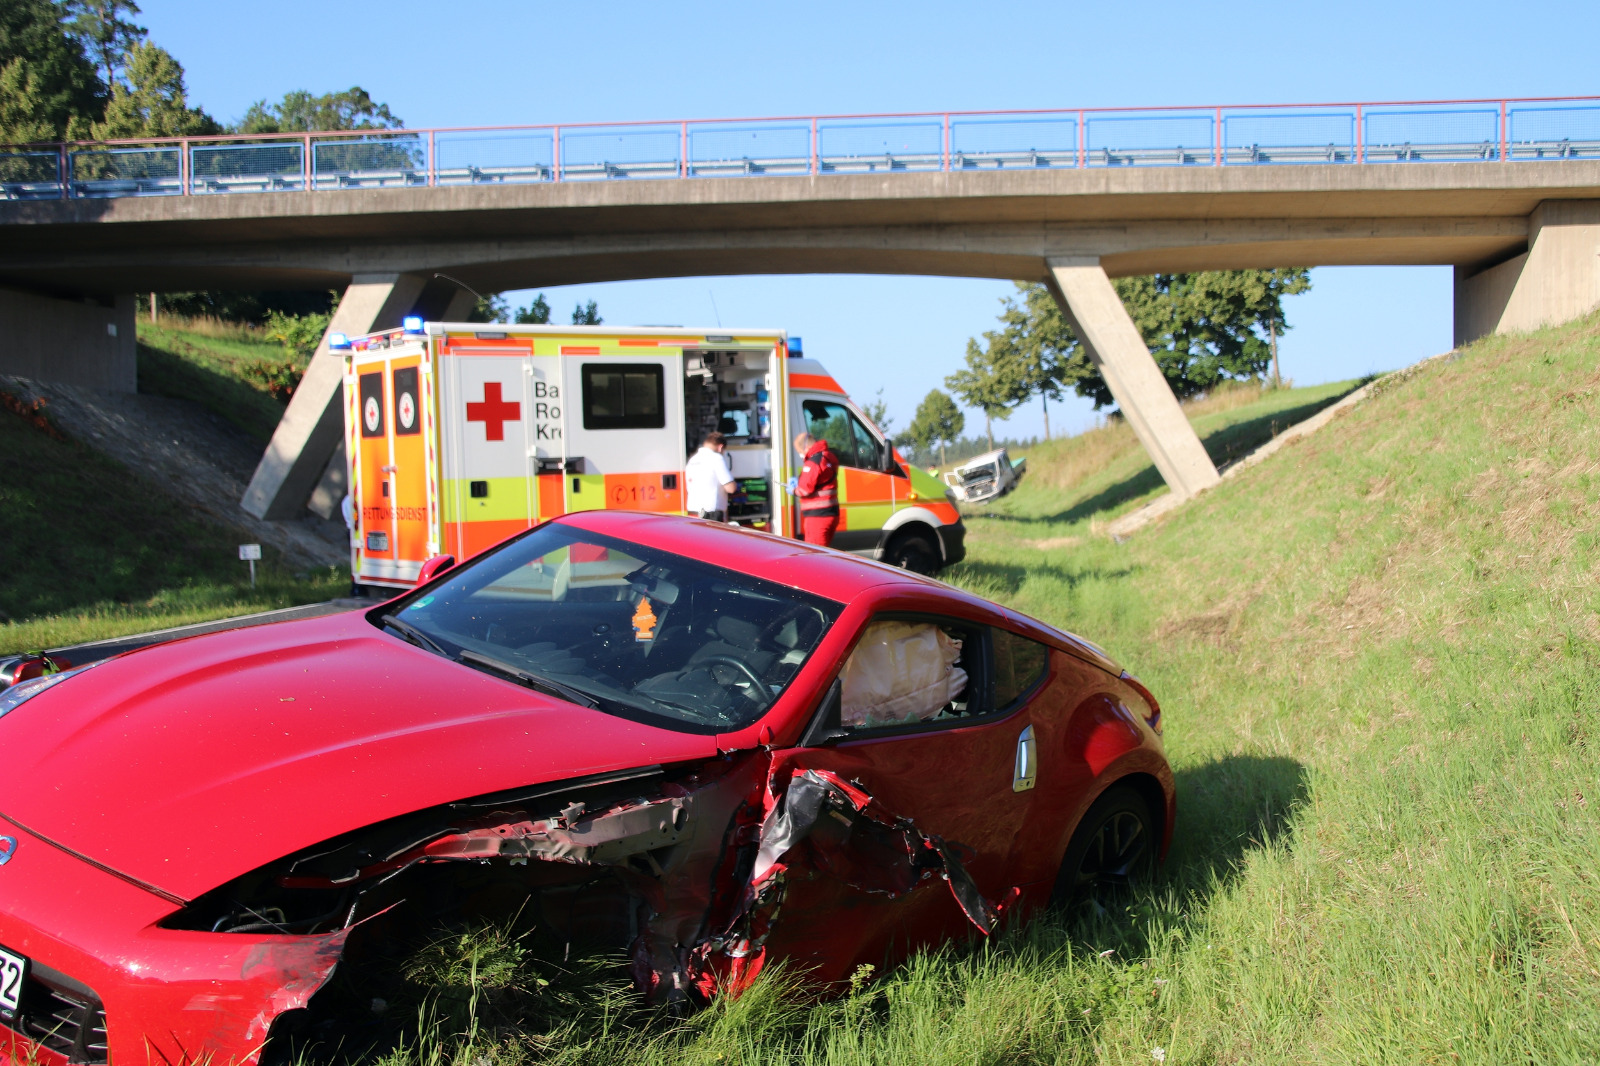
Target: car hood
pixel 187 764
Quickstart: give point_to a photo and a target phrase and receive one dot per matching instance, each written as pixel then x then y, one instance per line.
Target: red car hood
pixel 190 763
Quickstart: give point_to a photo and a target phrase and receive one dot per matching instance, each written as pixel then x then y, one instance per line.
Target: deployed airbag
pixel 900 672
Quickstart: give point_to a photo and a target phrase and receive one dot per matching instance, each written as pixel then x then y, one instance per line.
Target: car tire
pixel 1113 850
pixel 914 551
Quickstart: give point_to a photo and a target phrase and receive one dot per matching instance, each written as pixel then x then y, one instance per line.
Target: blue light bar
pixel 338 342
pixel 412 323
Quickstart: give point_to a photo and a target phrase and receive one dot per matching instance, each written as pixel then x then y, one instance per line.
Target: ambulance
pixel 459 435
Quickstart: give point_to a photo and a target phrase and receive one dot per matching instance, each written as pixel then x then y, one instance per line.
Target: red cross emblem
pixel 493 412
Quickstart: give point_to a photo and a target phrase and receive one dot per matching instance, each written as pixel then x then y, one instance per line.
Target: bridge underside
pixel 1523 238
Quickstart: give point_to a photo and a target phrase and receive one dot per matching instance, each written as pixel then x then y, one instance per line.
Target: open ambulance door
pixel 390 438
pixel 624 435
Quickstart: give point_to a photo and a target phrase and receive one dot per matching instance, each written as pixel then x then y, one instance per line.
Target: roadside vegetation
pixel 1379 657
pixel 91 550
pixel 243 373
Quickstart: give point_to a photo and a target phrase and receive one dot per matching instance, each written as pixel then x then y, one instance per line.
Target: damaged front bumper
pixel 693 866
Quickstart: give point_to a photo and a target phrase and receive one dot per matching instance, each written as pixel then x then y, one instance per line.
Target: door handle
pixel 1027 769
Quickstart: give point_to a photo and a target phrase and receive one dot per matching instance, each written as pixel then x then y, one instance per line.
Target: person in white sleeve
pixel 710 480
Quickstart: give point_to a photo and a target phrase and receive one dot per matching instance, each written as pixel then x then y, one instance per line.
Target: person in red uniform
pixel 818 490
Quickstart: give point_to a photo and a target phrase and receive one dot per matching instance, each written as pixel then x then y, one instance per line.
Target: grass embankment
pixel 225 367
pixel 93 551
pixel 1379 655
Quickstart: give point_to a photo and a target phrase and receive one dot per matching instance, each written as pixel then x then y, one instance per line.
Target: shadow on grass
pixel 1225 445
pixel 164 373
pixel 999 580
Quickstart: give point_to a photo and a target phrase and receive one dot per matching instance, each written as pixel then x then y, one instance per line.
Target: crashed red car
pixel 701 747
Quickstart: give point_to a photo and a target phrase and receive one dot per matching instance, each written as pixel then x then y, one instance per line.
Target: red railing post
pixel 947 140
pixel 1083 134
pixel 556 153
pixel 1505 156
pixel 816 161
pixel 1216 139
pixel 433 160
pixel 683 151
pixel 1361 150
pixel 305 164
pixel 64 170
pixel 184 166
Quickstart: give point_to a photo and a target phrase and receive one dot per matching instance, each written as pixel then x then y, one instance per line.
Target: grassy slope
pixel 1378 656
pixel 208 362
pixel 92 551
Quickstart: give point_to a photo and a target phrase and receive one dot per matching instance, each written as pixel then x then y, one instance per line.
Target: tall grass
pixel 1379 656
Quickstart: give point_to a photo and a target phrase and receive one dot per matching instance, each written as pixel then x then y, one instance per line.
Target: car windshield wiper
pixel 414 635
pixel 548 686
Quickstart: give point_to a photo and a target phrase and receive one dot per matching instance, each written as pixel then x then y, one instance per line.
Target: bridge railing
pixel 1522 130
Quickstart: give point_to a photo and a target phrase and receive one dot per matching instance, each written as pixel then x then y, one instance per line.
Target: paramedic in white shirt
pixel 710 480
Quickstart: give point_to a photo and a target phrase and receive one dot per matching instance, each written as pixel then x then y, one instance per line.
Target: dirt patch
pixel 183 450
pixel 1054 543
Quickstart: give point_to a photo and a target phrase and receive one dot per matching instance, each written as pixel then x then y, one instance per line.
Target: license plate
pixel 13 968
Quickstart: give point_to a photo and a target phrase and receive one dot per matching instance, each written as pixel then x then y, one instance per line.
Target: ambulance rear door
pixel 624 424
pixel 499 409
pixel 389 443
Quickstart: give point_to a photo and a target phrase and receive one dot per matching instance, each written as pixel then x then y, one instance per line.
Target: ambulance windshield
pixel 627 629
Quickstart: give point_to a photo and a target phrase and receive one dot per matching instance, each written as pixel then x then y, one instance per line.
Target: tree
pixel 108 37
pixel 491 308
pixel 154 102
pixel 301 112
pixel 877 413
pixel 992 380
pixel 1202 329
pixel 586 315
pixel 536 313
pixel 938 421
pixel 48 88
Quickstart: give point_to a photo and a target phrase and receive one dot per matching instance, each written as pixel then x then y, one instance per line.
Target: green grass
pixel 211 364
pixel 93 551
pixel 1379 657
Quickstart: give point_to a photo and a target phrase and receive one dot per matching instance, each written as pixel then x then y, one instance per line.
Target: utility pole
pixel 1272 337
pixel 152 309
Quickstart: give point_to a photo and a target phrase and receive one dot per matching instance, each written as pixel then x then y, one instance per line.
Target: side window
pixel 1019 663
pixel 851 441
pixel 624 396
pixel 831 422
pixel 869 452
pixel 907 673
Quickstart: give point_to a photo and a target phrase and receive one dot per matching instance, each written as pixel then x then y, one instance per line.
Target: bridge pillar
pixel 1556 280
pixel 312 427
pixel 1096 314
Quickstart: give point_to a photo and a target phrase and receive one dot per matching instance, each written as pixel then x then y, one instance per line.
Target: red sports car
pixel 699 747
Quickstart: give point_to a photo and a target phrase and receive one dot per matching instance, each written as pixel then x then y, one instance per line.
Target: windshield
pixel 631 630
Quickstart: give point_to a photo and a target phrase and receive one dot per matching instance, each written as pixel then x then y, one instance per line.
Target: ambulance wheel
pixel 913 550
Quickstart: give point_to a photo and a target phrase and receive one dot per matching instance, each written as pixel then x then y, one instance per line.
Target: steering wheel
pixel 738 664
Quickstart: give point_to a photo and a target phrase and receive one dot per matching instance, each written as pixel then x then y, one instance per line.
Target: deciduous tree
pixel 587 315
pixel 536 313
pixel 48 88
pixel 107 37
pixel 153 102
pixel 938 421
pixel 301 112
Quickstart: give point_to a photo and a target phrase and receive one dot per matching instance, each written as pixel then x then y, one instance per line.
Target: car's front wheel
pixel 1113 849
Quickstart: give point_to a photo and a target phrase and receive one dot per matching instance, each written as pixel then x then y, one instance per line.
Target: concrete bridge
pixel 1523 236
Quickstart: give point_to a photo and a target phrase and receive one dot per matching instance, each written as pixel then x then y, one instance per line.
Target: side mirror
pixel 825 724
pixel 434 567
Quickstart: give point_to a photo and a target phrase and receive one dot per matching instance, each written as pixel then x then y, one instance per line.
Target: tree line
pixel 1203 329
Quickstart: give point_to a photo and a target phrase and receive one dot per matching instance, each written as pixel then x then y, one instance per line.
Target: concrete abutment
pixel 88 343
pixel 1556 280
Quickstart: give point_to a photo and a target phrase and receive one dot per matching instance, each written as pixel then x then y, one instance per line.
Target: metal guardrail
pixel 1247 135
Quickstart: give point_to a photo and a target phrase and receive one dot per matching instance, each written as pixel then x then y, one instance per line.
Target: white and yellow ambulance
pixel 459 435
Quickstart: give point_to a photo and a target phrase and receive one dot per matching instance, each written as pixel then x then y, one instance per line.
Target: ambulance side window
pixel 852 442
pixel 624 396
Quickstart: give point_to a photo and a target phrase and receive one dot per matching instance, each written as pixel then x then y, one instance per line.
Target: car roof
pixel 833 574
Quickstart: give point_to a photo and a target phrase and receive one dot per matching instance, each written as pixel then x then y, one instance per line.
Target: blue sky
pixel 503 61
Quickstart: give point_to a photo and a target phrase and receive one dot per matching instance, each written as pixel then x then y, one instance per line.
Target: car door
pixel 867 882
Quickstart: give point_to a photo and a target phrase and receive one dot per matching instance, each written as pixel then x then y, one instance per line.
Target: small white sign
pixel 249 552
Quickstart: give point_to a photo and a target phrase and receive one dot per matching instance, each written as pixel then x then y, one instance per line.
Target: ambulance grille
pixel 64 1021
